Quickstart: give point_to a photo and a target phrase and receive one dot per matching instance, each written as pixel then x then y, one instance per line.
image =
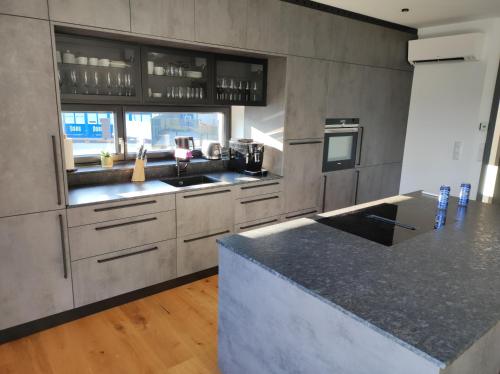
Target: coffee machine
pixel 247 156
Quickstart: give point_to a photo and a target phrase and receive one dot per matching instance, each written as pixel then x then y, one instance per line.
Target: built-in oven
pixel 342 145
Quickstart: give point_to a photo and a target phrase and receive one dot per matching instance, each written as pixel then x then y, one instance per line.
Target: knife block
pixel 139 175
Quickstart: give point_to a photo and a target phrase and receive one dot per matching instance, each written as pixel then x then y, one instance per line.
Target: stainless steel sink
pixel 189 181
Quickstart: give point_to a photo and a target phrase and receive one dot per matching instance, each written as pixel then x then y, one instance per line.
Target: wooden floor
pixel 173 332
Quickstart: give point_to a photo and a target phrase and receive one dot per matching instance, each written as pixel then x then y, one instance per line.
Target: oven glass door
pixel 340 149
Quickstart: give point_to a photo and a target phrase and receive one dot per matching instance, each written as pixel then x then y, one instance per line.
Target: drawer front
pixel 198 252
pixel 122 209
pixel 101 277
pixel 306 213
pixel 260 188
pixel 257 207
pixel 204 211
pixel 100 238
pixel 252 225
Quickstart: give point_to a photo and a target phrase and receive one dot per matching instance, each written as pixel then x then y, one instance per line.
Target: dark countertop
pixel 436 293
pixel 106 193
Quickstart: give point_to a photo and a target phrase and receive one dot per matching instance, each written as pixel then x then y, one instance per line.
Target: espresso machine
pixel 247 156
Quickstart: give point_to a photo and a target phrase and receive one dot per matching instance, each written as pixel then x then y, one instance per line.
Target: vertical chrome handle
pixel 360 145
pixel 56 168
pixel 356 189
pixel 63 246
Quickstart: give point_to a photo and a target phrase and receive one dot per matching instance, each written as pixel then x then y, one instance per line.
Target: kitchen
pixel 133 120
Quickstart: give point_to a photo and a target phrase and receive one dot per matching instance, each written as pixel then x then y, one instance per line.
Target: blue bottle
pixel 444 196
pixel 440 219
pixel 463 198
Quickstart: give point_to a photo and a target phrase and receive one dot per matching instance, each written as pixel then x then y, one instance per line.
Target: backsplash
pixel 122 173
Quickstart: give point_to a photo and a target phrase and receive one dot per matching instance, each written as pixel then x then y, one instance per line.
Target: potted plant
pixel 106 160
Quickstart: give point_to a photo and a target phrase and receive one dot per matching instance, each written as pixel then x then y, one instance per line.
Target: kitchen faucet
pixel 182 159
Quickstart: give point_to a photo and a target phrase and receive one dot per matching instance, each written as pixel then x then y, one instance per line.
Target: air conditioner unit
pixel 463 47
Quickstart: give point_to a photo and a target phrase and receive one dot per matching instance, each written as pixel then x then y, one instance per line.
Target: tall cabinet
pixel 35 280
pixel 29 134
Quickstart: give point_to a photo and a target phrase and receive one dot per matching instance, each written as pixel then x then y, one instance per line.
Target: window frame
pixel 121 130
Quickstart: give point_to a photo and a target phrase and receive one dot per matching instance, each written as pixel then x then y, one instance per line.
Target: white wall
pixel 448 102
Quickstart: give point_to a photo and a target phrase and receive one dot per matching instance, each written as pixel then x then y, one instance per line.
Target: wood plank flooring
pixel 173 332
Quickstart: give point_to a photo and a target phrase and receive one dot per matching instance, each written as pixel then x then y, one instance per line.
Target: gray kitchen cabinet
pixel 305 213
pixel 339 189
pixel 258 207
pixel 199 251
pixel 257 224
pixel 222 22
pixel 101 277
pixel 309 31
pixel 267 26
pixel 26 8
pixel 205 210
pixel 258 188
pixel 302 173
pixel 168 18
pixel 29 135
pixel 105 237
pixel 346 83
pixel 306 90
pixel 377 182
pixel 108 14
pixel 84 215
pixel 35 279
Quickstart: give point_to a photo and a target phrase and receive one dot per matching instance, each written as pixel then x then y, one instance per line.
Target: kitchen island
pixel 305 297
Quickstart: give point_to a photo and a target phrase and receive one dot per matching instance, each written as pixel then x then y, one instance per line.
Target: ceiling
pixel 422 12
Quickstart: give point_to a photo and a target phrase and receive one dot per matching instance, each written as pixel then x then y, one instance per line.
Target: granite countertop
pixel 436 293
pixel 105 193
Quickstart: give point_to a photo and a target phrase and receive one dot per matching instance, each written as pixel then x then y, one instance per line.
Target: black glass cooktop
pixel 388 224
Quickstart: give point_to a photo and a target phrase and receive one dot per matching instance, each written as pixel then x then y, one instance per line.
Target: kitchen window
pixel 122 130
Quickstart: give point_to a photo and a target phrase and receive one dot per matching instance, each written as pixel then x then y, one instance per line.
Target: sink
pixel 190 181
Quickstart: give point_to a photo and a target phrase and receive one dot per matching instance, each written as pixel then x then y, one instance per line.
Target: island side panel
pixel 482 357
pixel 269 325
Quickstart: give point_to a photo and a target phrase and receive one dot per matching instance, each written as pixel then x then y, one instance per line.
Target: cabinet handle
pixel 127 255
pixel 257 200
pixel 206 194
pixel 307 142
pixel 259 186
pixel 258 224
pixel 125 224
pixel 360 145
pixel 302 214
pixel 206 236
pixel 63 246
pixel 324 193
pixel 356 188
pixel 56 168
pixel 124 206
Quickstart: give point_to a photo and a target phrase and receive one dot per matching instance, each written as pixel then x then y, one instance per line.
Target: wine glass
pixel 119 83
pixel 74 81
pixel 85 79
pixel 95 82
pixel 108 82
pixel 254 91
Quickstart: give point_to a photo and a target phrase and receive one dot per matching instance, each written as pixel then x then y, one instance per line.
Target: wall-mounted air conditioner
pixel 463 47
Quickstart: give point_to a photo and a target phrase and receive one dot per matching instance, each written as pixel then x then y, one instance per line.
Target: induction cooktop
pixel 388 224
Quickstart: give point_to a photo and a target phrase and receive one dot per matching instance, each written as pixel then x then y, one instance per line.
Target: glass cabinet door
pixel 175 77
pixel 92 70
pixel 240 81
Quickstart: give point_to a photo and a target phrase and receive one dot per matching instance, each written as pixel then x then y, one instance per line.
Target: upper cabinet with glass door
pixel 98 71
pixel 173 76
pixel 240 81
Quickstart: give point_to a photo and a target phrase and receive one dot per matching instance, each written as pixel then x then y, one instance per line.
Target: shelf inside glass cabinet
pixel 175 77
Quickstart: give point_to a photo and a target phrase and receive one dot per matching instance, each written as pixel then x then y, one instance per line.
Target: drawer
pixel 204 211
pixel 101 277
pixel 306 213
pixel 198 252
pixel 258 188
pixel 257 207
pixel 252 225
pixel 121 209
pixel 105 237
